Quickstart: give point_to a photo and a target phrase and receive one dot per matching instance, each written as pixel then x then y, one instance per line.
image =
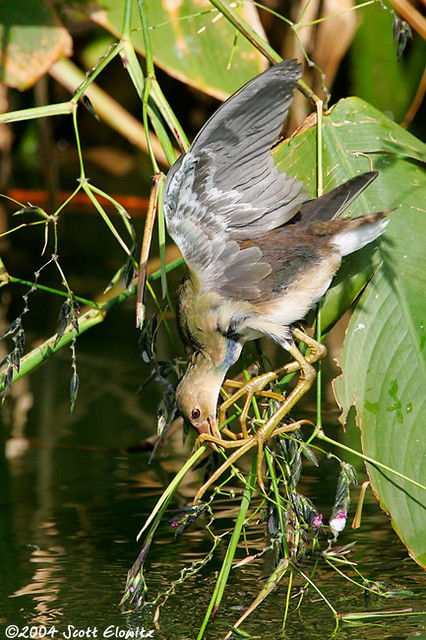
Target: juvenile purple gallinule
pixel 259 253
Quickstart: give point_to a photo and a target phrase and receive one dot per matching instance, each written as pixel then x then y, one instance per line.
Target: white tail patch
pixel 353 239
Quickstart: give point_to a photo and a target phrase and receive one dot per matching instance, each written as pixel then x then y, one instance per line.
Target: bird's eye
pixel 195 413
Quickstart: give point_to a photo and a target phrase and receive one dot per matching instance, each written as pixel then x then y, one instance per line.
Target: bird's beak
pixel 209 427
pixel 212 428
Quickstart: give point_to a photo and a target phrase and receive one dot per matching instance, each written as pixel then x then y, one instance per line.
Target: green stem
pixel 87 188
pixel 320 186
pixel 158 97
pixel 288 597
pixel 119 208
pixel 142 6
pixel 278 501
pixel 299 26
pixel 127 20
pixel 319 433
pixel 87 320
pixel 162 238
pixel 89 78
pixel 82 177
pixel 230 552
pixel 166 496
pixel 131 63
pixel 169 116
pixel 61 109
pixel 56 292
pixel 247 31
pixel 258 42
pixel 322 596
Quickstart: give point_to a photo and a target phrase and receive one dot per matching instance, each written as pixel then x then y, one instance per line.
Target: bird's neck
pixel 232 352
pixel 218 353
pixel 203 324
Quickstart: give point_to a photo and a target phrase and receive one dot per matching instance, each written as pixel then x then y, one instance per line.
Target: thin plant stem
pixel 320 187
pixel 126 31
pixel 142 6
pixel 319 433
pixel 145 99
pixel 154 91
pixel 246 30
pixel 91 75
pixel 298 27
pixel 52 290
pixel 278 501
pixel 89 192
pixel 162 238
pixel 120 210
pixel 60 109
pixel 319 149
pixel 87 320
pixel 288 597
pixel 270 585
pixel 230 552
pixel 145 250
pixel 168 493
pixel 258 42
pixel 322 596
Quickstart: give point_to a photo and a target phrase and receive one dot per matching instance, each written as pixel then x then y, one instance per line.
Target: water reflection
pixel 72 501
pixel 45 584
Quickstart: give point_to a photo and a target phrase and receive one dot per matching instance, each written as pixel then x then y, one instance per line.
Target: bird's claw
pixel 242 446
pixel 251 388
pixel 244 441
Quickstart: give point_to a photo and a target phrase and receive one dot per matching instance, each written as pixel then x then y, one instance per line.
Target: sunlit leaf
pixel 384 360
pixel 192 42
pixel 355 138
pixel 384 364
pixel 32 40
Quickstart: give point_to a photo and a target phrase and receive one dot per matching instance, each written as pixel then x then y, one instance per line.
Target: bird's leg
pixel 318 351
pixel 305 382
pixel 250 388
pixel 270 428
pixel 257 384
pixel 242 447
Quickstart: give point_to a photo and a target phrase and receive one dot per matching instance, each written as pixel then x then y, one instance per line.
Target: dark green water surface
pixel 73 499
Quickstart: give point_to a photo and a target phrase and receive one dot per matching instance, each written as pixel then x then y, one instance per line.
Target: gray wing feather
pixel 227 187
pixel 332 204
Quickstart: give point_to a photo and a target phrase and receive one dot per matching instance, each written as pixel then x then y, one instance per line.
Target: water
pixel 73 499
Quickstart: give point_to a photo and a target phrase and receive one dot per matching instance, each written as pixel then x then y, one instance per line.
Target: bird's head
pixel 198 391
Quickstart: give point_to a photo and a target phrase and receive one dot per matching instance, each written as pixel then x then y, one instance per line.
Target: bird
pixel 260 253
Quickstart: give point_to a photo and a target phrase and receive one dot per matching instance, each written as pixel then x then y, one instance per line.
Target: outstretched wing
pixel 330 205
pixel 227 188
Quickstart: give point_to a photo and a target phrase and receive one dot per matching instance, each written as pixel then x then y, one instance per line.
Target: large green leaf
pixel 376 75
pixel 384 359
pixel 32 40
pixel 192 42
pixel 384 363
pixel 355 138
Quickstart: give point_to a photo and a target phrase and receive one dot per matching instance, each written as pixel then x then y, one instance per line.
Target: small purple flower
pixel 317 522
pixel 338 522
